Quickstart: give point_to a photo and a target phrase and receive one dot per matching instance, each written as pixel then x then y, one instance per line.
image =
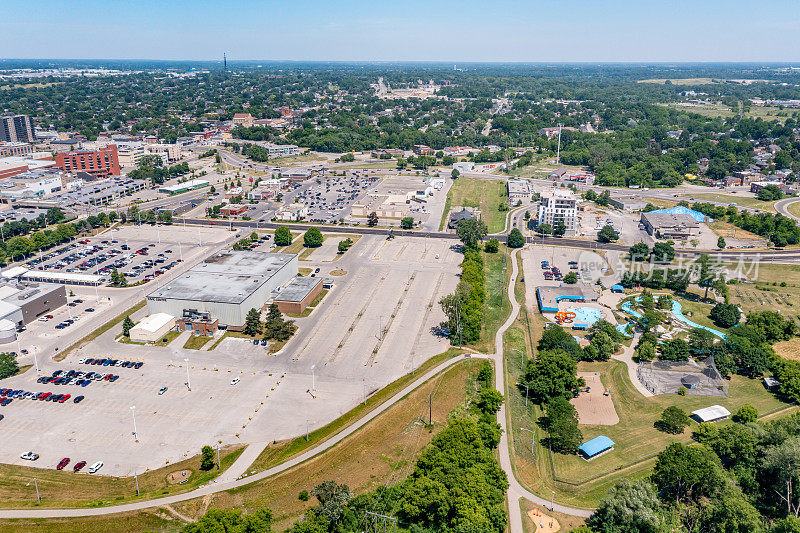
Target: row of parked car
pixel 111 362
pixel 75 377
pixel 33 456
pixel 8 395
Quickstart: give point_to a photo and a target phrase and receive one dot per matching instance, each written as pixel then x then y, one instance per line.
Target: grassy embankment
pixel 485 195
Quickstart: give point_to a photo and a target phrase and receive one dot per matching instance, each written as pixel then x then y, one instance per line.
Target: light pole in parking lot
pixel 188 383
pixel 313 381
pixel 35 484
pixel 180 249
pixel 133 414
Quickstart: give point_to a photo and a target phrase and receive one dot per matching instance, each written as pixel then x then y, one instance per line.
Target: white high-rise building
pixel 559 205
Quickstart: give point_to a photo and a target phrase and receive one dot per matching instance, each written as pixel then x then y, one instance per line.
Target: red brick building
pixel 100 163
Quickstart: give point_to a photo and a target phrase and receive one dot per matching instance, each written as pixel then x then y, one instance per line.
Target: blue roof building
pixel 681 210
pixel 617 288
pixel 595 447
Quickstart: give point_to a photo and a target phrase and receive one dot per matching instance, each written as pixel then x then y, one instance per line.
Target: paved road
pixel 782 207
pixel 777 255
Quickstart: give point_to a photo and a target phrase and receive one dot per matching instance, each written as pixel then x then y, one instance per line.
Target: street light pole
pixel 136 476
pixel 552 501
pixel 35 484
pixel 35 361
pixel 188 383
pixel 313 380
pixel 133 414
pixel 533 438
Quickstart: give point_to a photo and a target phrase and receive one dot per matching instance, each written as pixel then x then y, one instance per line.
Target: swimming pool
pixel 585 315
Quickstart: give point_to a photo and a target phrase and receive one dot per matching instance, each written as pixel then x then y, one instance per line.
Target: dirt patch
pixel 177 477
pixel 594 407
pixel 543 523
pixel 338 272
pixel 789 349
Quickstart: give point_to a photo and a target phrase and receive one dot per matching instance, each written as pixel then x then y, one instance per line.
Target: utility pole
pixel 136 476
pixel 35 484
pixel 430 409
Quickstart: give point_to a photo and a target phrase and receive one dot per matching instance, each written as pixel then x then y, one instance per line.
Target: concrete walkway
pixel 515 489
pixel 627 357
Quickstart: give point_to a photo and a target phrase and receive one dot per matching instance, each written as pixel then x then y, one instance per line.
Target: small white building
pixel 152 327
pixel 464 166
pixel 292 212
pixel 713 413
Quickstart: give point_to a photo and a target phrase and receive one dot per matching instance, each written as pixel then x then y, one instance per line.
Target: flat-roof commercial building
pixel 15 149
pixel 225 286
pixel 549 297
pixel 298 294
pixel 518 189
pixel 100 163
pixel 670 226
pixel 22 303
pixel 183 187
pixel 627 202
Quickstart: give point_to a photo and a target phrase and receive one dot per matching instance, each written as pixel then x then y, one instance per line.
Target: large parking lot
pixel 137 259
pixel 331 199
pixel 375 325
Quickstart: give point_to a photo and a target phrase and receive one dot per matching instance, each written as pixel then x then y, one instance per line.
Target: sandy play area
pixel 594 408
pixel 543 523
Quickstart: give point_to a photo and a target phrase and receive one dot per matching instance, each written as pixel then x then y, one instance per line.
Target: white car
pixel 43 319
pixel 29 456
pixel 234 381
pixel 95 467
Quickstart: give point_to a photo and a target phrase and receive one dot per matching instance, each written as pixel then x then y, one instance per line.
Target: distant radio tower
pixel 224 61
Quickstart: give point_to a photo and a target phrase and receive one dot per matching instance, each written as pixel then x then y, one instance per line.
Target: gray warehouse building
pixel 22 303
pixel 225 286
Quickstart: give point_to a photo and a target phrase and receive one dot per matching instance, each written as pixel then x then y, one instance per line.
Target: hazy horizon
pixel 508 31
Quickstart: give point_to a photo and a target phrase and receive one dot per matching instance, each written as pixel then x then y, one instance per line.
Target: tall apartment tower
pixel 559 205
pixel 16 128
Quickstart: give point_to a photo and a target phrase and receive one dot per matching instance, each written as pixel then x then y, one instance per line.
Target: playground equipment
pixel 564 317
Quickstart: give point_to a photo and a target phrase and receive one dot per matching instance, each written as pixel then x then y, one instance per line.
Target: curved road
pixel 782 207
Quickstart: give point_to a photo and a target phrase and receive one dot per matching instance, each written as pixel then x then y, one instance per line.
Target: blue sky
pixel 404 30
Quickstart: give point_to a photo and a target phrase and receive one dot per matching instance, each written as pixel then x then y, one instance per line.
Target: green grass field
pixel 635 437
pixel 767 294
pixel 195 342
pixel 483 194
pixel 741 201
pixel 794 208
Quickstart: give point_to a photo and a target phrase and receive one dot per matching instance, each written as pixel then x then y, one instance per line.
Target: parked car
pixel 29 456
pixel 64 462
pixel 78 466
pixel 78 399
pixel 95 467
pixel 234 381
pixel 162 390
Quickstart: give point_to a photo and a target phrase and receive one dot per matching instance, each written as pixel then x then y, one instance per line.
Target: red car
pixel 64 462
pixel 64 398
pixel 78 466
